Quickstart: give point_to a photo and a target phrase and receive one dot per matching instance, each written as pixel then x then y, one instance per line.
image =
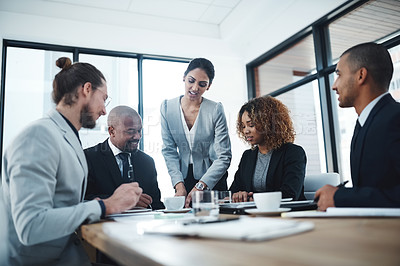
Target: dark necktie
pixel 125 165
pixel 354 154
pixel 355 135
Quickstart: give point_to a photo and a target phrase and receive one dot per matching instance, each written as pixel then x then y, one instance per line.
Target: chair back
pixel 314 182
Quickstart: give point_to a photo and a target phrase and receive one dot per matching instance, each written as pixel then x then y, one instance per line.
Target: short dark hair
pixel 203 64
pixel 72 76
pixel 375 58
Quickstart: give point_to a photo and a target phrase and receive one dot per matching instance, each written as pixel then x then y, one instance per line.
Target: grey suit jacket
pixel 44 177
pixel 211 150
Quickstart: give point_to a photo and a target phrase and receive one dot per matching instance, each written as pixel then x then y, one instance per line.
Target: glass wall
pixel 161 80
pixel 289 66
pixel 28 88
pixel 30 72
pixel 288 74
pixel 305 110
pixel 122 84
pixel 370 22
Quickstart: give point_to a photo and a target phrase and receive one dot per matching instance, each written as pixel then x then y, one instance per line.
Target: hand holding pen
pixel 338 186
pixel 325 196
pixel 343 184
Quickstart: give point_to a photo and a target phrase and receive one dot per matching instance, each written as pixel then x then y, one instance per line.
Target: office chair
pixel 314 182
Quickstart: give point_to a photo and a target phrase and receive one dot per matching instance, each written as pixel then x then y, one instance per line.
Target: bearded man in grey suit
pixel 45 172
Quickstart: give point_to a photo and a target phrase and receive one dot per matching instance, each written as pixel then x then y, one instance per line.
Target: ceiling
pixel 190 17
pixel 202 11
pixel 244 28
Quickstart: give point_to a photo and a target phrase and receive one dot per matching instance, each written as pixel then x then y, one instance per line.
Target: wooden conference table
pixel 334 241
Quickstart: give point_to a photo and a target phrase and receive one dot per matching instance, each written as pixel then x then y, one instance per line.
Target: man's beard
pixel 87 120
pixel 131 150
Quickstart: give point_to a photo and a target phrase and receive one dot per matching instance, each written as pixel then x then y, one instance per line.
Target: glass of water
pixel 224 197
pixel 205 203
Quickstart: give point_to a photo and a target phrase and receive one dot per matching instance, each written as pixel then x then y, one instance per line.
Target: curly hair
pixel 272 120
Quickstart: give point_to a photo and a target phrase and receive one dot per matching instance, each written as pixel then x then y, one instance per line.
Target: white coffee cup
pixel 268 201
pixel 174 203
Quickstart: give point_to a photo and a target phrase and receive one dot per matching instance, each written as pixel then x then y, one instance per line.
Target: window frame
pixel 324 68
pixel 76 51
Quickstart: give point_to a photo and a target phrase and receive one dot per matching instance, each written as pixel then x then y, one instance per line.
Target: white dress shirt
pixel 367 110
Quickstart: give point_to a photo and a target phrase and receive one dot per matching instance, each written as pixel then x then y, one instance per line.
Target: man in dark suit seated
pixel 118 160
pixel 364 74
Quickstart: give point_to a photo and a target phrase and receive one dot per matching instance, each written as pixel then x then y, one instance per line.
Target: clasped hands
pixel 242 196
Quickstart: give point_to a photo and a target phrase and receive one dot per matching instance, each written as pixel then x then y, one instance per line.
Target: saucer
pixel 267 213
pixel 177 211
pixel 286 199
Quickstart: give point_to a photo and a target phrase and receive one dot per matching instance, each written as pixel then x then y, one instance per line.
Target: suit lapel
pixel 357 152
pixel 175 122
pixel 72 140
pixel 110 163
pixel 273 165
pixel 249 169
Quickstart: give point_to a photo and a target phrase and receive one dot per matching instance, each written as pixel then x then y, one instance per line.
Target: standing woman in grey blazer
pixel 196 145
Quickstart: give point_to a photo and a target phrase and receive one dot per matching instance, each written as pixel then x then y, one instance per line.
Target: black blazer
pixel 375 161
pixel 285 173
pixel 104 175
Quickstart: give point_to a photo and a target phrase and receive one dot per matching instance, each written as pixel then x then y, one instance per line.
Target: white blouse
pixel 189 133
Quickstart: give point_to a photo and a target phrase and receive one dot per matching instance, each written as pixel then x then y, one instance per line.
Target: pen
pixel 339 186
pixel 343 183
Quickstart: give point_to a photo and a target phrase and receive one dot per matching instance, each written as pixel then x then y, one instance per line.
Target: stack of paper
pixel 245 228
pixel 347 212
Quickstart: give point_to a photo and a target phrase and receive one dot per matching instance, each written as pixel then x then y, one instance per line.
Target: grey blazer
pixel 44 177
pixel 211 149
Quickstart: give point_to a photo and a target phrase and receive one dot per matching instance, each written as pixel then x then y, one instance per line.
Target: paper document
pixel 245 228
pixel 347 212
pixel 134 211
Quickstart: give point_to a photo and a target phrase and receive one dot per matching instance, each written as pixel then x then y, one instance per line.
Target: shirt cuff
pixel 103 209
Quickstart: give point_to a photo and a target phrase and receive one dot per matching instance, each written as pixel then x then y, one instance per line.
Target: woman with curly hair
pixel 273 163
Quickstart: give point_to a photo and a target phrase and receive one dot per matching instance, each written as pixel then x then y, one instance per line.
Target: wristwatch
pixel 200 186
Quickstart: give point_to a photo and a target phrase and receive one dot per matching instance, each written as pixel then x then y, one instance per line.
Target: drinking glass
pixel 205 203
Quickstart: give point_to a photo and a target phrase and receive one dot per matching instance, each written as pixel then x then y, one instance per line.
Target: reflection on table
pixel 346 241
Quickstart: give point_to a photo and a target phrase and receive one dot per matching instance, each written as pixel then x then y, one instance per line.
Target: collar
pixel 113 148
pixel 367 110
pixel 72 127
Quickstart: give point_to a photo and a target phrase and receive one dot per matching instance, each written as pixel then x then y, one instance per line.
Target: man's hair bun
pixel 64 63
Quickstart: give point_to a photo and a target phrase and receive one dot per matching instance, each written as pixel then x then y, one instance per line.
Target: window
pixel 299 72
pixel 29 78
pixel 373 21
pixel 305 111
pixel 289 66
pixel 368 23
pixel 28 82
pixel 161 80
pixel 122 85
pixel 394 88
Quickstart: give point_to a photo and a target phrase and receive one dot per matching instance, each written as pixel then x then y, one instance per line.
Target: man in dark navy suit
pixel 364 73
pixel 118 160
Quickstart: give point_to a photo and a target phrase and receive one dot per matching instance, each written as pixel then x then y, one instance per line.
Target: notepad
pixel 245 228
pixel 346 212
